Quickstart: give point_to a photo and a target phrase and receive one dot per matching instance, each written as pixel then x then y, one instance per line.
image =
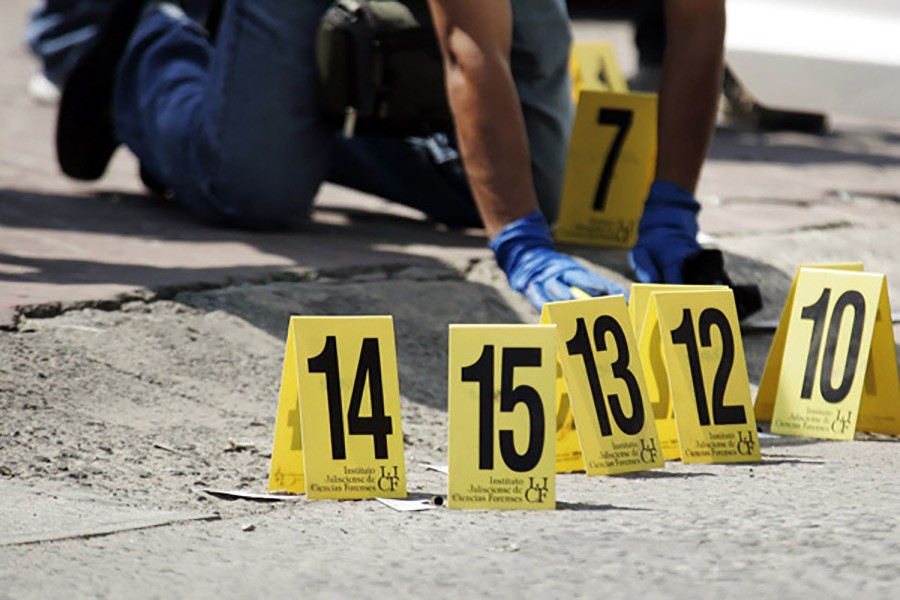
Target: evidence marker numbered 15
pixel 338 432
pixel 707 373
pixel 839 366
pixel 605 383
pixel 501 381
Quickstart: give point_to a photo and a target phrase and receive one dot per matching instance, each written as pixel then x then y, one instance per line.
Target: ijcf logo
pixel 745 445
pixel 623 234
pixel 648 451
pixel 535 492
pixel 842 422
pixel 388 481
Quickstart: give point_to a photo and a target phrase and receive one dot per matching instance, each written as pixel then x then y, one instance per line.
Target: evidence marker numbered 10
pixel 605 385
pixel 338 432
pixel 768 383
pixel 838 367
pixel 707 374
pixel 501 382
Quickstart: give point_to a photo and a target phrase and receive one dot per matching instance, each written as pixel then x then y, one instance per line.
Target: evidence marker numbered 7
pixel 608 169
pixel 605 382
pixel 501 383
pixel 338 423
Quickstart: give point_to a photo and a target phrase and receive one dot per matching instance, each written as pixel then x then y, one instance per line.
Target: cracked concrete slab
pixel 48 514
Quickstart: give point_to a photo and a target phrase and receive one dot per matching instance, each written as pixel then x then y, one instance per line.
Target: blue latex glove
pixel 524 250
pixel 667 234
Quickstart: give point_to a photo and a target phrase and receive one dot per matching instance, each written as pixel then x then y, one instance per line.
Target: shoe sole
pixel 85 134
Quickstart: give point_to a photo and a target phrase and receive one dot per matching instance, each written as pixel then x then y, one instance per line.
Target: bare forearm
pixel 691 81
pixel 485 107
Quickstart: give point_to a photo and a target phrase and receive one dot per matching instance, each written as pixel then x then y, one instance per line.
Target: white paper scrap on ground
pixel 439 468
pixel 245 495
pixel 408 505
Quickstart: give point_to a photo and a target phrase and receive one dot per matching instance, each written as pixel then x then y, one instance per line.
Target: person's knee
pixel 269 201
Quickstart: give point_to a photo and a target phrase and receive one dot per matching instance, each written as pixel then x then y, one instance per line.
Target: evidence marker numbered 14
pixel 605 385
pixel 338 432
pixel 707 374
pixel 501 381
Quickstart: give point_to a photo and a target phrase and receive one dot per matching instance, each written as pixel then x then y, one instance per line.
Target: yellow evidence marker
pixel 768 383
pixel 501 407
pixel 340 385
pixel 839 369
pixel 609 168
pixel 593 66
pixel 707 373
pixel 639 299
pixel 651 353
pixel 568 447
pixel 613 417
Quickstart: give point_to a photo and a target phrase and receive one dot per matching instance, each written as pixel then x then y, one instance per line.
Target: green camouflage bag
pixel 380 69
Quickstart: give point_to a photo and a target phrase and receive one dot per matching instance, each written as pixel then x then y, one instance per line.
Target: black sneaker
pixel 707 267
pixel 85 135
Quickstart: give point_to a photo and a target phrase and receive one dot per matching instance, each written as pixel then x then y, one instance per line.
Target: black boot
pixel 707 267
pixel 85 136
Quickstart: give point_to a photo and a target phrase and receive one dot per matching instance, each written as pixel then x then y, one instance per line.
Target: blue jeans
pixel 233 129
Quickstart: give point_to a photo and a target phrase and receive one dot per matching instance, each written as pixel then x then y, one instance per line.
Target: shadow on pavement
pixel 663 475
pixel 584 506
pixel 847 146
pixel 82 248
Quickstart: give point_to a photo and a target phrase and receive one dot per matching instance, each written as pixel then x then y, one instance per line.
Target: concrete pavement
pixel 140 348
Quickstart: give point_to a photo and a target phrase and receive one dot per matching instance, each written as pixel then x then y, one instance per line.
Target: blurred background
pixel 790 63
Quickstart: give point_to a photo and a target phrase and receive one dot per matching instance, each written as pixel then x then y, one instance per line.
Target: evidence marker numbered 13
pixel 707 374
pixel 338 427
pixel 502 451
pixel 839 367
pixel 605 382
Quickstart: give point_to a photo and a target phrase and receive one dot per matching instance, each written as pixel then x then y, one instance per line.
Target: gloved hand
pixel 667 250
pixel 667 234
pixel 524 251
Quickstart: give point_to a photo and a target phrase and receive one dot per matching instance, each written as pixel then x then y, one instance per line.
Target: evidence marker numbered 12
pixel 839 365
pixel 338 424
pixel 501 381
pixel 605 382
pixel 646 328
pixel 707 374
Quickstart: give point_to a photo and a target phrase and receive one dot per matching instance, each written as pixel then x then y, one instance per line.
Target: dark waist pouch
pixel 379 68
